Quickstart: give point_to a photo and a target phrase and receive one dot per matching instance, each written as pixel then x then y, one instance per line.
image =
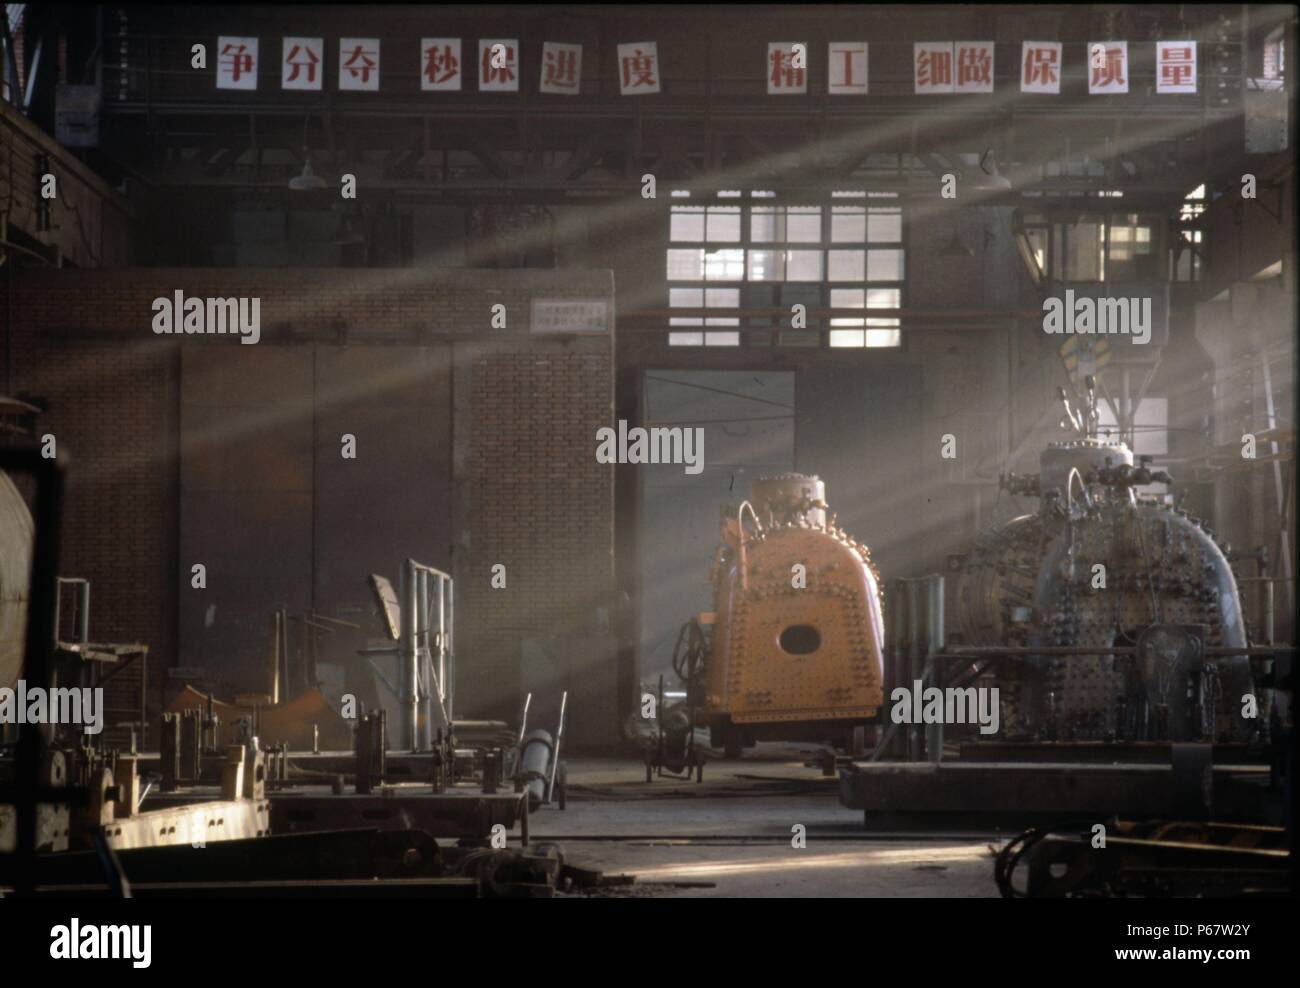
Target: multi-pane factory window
pixel 1120 247
pixel 766 255
pixel 1131 248
pixel 1275 55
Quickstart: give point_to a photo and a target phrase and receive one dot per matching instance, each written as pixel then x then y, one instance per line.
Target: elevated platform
pixel 1190 786
pixel 464 814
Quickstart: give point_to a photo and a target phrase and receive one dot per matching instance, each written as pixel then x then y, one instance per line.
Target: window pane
pixel 885 265
pixel 848 224
pixel 724 224
pixel 803 265
pixel 763 224
pixel 685 265
pixel 883 298
pixel 722 298
pixel 1084 252
pixel 766 265
pixel 848 298
pixel 849 265
pixel 846 337
pixel 1037 237
pixel 804 225
pixel 883 337
pixel 685 339
pixel 685 298
pixel 687 224
pixel 722 339
pixel 724 265
pixel 885 226
pixel 1151 425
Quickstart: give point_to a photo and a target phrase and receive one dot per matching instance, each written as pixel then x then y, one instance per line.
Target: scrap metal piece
pixel 371 751
pixel 1152 858
pixel 389 607
pixel 305 719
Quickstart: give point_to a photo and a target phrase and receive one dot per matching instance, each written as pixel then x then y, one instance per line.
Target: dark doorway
pixel 748 423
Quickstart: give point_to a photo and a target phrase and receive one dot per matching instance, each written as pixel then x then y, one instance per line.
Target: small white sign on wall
pixel 569 315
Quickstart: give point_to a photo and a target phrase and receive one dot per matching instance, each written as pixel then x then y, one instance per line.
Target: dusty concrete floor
pixel 732 835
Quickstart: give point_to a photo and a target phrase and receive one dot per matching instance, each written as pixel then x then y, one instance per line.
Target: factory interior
pixel 647 451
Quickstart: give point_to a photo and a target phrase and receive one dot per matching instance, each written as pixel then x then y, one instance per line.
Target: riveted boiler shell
pixel 1174 559
pixel 1084 455
pixel 795 654
pixel 16 534
pixel 994 598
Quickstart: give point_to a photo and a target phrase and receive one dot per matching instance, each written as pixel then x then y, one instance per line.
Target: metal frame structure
pixel 427 667
pixel 553 777
pixel 712 127
pixel 916 649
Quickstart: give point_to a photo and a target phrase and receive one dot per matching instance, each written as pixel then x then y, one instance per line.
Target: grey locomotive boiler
pixel 1097 564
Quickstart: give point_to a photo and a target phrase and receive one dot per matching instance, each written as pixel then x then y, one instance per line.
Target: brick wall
pixel 369 303
pixel 108 411
pixel 533 496
pixel 542 507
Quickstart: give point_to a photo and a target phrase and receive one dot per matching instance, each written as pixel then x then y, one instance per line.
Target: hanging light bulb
pixel 308 180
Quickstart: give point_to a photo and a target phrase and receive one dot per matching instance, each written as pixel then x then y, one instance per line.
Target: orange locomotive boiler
pixel 798 627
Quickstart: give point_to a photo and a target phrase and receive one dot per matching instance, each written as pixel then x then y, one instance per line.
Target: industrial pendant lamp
pixel 308 180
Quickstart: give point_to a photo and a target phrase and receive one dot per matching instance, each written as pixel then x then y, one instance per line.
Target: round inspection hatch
pixel 800 639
